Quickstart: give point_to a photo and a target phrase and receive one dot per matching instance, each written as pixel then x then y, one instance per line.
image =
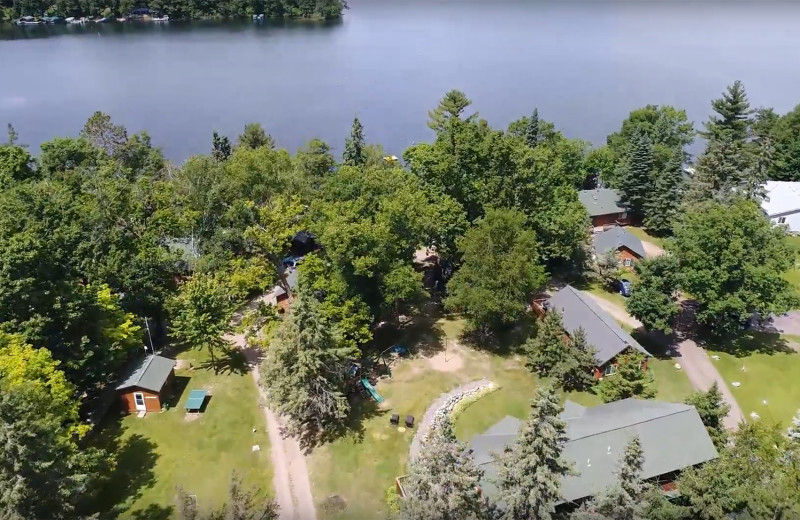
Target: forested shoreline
pixel 177 9
pixel 91 227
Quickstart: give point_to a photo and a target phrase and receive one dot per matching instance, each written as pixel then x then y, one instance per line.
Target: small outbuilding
pixel 146 383
pixel 604 207
pixel 625 244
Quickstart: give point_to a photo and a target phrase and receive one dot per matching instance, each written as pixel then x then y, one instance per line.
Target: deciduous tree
pixel 654 300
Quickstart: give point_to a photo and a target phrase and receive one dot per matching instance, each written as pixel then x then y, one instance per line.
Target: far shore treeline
pixel 175 9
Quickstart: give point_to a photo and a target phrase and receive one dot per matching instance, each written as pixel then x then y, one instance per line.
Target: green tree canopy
pixel 631 379
pixel 254 136
pixel 712 409
pixel 654 300
pixel 500 267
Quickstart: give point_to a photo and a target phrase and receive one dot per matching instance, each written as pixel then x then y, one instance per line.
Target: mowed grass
pixel 642 234
pixel 793 274
pixel 360 466
pixel 164 450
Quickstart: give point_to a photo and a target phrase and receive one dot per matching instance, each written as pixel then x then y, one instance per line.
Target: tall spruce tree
pixel 354 153
pixel 726 164
pixel 623 501
pixel 636 182
pixel 663 205
pixel 551 353
pixel 712 409
pixel 443 482
pixel 734 115
pixel 544 349
pixel 630 380
pixel 529 479
pixel 304 370
pixel 532 129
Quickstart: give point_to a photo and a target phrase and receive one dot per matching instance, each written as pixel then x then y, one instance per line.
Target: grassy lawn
pixel 793 274
pixel 644 235
pixel 163 450
pixel 603 292
pixel 771 373
pixel 360 466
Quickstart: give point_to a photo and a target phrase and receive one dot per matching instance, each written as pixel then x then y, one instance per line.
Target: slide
pixel 371 389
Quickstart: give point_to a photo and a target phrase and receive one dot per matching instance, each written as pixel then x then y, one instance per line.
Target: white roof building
pixel 782 203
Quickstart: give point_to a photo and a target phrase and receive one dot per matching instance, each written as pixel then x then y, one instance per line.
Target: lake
pixel 585 65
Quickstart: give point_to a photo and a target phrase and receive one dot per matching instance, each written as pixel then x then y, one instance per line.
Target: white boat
pixel 164 18
pixel 28 20
pixel 69 19
pixel 123 19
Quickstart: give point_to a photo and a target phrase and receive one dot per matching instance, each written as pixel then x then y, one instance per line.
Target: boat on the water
pixel 123 19
pixel 258 17
pixel 53 19
pixel 28 20
pixel 164 18
pixel 102 20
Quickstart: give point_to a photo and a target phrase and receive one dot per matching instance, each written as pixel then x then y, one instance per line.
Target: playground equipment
pixel 371 390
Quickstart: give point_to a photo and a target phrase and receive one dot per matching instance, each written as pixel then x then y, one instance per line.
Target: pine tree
pixel 607 269
pixel 636 183
pixel 354 154
pixel 221 147
pixel 630 380
pixel 713 409
pixel 574 372
pixel 529 479
pixel 663 205
pixel 444 480
pixel 450 107
pixel 545 348
pixel 304 370
pixel 724 165
pixel 734 115
pixel 532 129
pixel 254 136
pixel 623 501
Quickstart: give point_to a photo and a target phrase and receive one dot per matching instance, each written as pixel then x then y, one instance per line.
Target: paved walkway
pixel 693 360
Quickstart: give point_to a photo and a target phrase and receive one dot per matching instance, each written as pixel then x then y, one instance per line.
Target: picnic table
pixel 195 401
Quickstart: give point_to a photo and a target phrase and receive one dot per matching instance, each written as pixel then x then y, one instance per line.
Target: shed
pixel 145 384
pixel 604 207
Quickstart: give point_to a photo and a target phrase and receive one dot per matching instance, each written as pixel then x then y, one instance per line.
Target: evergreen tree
pixel 575 371
pixel 623 501
pixel 254 136
pixel 551 353
pixel 636 182
pixel 532 129
pixel 630 380
pixel 663 206
pixel 443 481
pixel 450 108
pixel 354 153
pixel 304 370
pixel 545 348
pixel 733 115
pixel 724 166
pixel 607 269
pixel 221 147
pixel 529 479
pixel 712 409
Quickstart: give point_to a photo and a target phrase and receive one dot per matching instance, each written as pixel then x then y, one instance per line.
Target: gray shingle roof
pixel 602 331
pixel 615 238
pixel 672 436
pixel 601 201
pixel 149 373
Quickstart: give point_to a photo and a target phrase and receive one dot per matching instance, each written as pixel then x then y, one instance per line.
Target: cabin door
pixel 138 398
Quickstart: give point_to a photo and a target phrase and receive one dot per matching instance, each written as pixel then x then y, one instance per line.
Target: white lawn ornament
pixel 678 366
pixel 744 369
pixel 715 357
pixel 764 402
pixel 737 384
pixel 754 415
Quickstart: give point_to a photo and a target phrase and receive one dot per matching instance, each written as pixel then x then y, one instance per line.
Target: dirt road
pixel 290 474
pixel 693 360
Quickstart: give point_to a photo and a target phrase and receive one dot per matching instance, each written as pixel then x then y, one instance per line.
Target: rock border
pixel 448 404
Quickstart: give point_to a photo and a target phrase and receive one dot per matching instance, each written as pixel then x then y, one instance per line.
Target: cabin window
pixel 610 369
pixel 781 220
pixel 627 262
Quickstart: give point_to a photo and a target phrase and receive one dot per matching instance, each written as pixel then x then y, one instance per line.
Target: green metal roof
pixel 672 436
pixel 149 373
pixel 601 201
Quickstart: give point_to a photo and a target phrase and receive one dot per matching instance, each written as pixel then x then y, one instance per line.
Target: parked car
pixel 625 287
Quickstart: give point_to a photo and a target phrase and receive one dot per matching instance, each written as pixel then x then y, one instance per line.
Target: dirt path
pixel 290 474
pixel 693 360
pixel 651 250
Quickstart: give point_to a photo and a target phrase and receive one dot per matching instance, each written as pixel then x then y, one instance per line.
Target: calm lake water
pixel 584 64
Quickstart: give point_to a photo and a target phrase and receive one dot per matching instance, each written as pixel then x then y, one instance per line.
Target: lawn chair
pixel 410 421
pixel 395 419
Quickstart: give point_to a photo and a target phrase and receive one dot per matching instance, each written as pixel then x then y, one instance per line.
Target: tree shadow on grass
pixel 122 482
pixel 361 410
pixel 505 342
pixel 228 360
pixel 746 343
pixel 154 512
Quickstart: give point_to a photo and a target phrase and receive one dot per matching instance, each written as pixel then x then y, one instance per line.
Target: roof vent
pixel 608 451
pixel 588 463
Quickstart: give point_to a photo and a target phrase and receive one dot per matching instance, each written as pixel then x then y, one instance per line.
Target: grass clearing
pixel 164 450
pixel 642 234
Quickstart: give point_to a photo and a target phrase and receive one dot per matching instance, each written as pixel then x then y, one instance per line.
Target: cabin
pixel 609 340
pixel 672 436
pixel 278 295
pixel 781 204
pixel 604 207
pixel 146 383
pixel 627 246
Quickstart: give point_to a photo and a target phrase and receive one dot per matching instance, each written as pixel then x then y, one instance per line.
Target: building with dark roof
pixel 672 436
pixel 608 338
pixel 625 244
pixel 145 383
pixel 604 207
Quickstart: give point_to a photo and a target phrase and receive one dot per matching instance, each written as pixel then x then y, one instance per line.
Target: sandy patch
pixel 182 364
pixel 189 417
pixel 446 361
